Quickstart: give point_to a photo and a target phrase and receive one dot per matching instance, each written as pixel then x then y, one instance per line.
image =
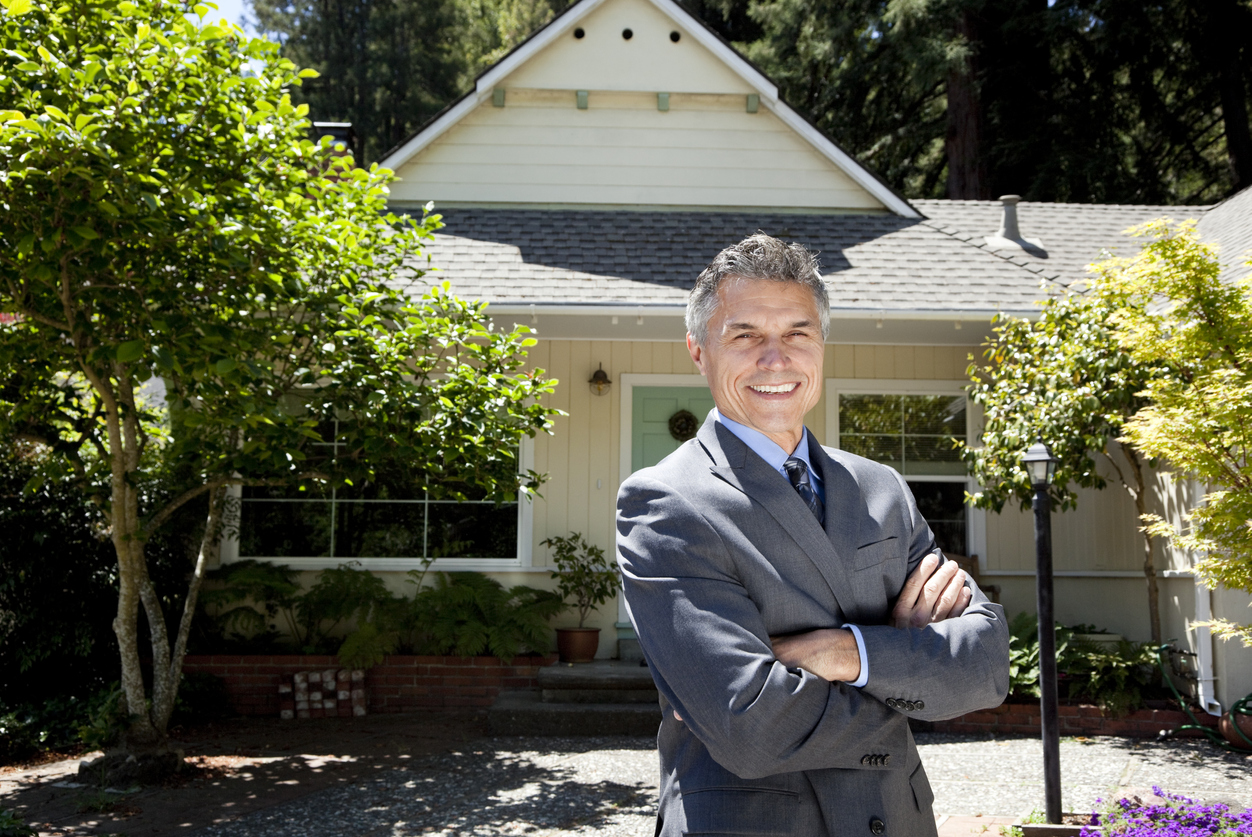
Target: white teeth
pixel 778 388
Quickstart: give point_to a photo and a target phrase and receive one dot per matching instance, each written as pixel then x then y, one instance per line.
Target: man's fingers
pixel 952 600
pixel 931 602
pixel 913 585
pixel 932 593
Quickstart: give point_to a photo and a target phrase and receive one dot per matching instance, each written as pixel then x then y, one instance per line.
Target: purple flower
pixel 1179 816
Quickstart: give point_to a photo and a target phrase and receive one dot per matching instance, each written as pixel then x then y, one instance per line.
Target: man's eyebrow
pixel 753 327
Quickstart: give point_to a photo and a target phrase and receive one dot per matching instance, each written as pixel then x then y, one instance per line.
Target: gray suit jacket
pixel 718 553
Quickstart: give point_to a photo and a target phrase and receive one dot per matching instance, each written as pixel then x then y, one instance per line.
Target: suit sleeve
pixel 711 657
pixel 952 667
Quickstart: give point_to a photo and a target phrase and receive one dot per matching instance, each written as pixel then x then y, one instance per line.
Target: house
pixel 588 178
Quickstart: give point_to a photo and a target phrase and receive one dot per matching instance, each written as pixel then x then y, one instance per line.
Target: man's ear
pixel 697 354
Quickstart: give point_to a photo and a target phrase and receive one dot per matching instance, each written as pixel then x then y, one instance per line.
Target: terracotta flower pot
pixel 577 645
pixel 1240 737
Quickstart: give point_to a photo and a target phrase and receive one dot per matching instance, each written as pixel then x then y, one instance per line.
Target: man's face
pixel 763 356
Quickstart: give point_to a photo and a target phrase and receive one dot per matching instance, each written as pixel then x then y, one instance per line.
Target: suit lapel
pixel 737 465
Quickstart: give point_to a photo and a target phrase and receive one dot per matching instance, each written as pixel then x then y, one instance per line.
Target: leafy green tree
pixel 1064 379
pixel 1198 419
pixel 197 290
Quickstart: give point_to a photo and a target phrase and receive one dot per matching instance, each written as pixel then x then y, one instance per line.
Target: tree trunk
pixel 163 709
pixel 967 175
pixel 1139 493
pixel 1223 28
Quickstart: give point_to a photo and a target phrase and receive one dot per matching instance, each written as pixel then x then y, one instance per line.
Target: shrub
pixel 1115 679
pixel 464 613
pixel 468 613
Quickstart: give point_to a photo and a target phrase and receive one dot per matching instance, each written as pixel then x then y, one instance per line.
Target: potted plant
pixel 584 576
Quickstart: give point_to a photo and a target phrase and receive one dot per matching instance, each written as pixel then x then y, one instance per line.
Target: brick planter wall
pixel 401 684
pixel 1023 718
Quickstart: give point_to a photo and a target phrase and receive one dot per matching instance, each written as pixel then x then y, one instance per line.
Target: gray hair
pixel 757 257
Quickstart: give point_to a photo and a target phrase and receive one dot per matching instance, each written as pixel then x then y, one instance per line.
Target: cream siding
pixel 541 149
pixel 649 60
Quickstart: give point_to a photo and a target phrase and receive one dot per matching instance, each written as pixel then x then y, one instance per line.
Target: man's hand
pixel 931 595
pixel 830 653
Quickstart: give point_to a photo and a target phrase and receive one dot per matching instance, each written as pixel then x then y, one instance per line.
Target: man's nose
pixel 773 355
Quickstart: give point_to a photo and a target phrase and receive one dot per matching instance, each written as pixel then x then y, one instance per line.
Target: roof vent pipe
pixel 1008 221
pixel 1009 237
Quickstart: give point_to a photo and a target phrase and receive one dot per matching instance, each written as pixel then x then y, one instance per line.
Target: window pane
pixel 914 434
pixel 932 455
pixel 278 529
pixel 379 530
pixel 943 506
pixel 472 530
pixel 312 491
pixel 934 414
pixel 884 449
pixel 869 414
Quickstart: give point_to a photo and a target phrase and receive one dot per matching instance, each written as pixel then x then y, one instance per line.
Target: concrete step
pixel 609 676
pixel 522 712
pixel 629 649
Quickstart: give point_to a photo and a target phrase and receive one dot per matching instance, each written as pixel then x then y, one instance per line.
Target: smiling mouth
pixel 773 388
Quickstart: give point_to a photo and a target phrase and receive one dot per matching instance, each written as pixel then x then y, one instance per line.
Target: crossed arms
pixel 765 704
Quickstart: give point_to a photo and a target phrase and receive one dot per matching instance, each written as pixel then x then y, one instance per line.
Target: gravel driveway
pixel 607 786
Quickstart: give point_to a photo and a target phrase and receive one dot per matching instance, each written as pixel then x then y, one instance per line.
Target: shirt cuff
pixel 860 650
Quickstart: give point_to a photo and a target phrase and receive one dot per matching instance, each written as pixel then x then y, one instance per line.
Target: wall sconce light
pixel 600 382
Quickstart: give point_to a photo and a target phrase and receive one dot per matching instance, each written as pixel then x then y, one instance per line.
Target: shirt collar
pixel 766 448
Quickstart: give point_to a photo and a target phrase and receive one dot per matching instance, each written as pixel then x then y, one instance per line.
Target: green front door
pixel 652 408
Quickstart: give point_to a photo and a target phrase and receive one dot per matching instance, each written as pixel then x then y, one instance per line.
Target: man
pixel 789 598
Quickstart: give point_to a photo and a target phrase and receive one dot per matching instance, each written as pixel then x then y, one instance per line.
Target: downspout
pixel 1204 650
pixel 1205 693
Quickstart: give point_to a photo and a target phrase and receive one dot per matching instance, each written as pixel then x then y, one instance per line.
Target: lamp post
pixel 1041 465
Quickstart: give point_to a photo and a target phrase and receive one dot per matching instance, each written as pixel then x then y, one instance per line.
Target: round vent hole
pixel 627 34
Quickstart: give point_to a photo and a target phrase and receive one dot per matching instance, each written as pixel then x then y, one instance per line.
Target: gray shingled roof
pixel 1073 234
pixel 872 263
pixel 1229 224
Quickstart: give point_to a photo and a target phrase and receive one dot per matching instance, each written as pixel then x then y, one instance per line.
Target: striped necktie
pixel 798 473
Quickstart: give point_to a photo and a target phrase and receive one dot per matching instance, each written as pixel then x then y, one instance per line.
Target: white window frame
pixel 229 551
pixel 976 519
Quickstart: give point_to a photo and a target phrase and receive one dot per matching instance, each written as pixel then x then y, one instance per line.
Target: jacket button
pixel 891 703
pixel 865 759
pixel 910 706
pixel 877 826
pixel 920 705
pixel 886 759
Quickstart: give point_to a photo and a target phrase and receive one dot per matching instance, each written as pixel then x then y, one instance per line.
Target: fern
pixel 467 614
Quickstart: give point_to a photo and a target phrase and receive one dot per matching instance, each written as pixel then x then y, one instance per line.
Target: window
pixel 387 518
pixel 915 433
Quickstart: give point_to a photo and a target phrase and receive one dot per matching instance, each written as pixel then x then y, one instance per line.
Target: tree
pixel 1199 418
pixel 1063 379
pixel 168 226
pixel 387 66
